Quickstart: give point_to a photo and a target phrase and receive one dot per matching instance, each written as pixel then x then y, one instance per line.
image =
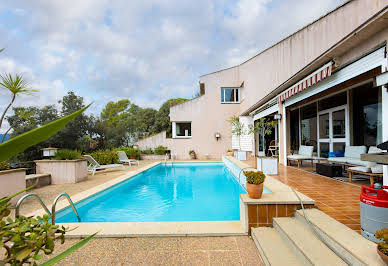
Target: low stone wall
pixel 12 181
pixel 153 157
pixel 281 202
pixel 63 171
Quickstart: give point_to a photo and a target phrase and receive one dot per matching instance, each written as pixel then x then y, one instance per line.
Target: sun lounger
pixel 305 154
pixel 123 158
pixel 94 165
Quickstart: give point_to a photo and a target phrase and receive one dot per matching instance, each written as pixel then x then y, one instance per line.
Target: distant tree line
pixel 120 123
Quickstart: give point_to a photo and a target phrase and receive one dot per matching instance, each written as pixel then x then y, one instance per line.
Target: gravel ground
pixel 238 250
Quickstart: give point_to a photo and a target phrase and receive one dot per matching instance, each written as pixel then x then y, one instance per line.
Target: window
pixel 183 129
pixel 230 95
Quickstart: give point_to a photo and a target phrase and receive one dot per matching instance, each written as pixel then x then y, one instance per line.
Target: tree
pixel 237 128
pixel 162 117
pixel 17 86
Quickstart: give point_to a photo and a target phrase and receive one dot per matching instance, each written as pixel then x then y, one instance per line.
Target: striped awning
pixel 315 77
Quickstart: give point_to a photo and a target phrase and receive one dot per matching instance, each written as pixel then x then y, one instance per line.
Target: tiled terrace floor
pixel 340 200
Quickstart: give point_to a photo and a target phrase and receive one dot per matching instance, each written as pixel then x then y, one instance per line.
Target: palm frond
pixel 16 85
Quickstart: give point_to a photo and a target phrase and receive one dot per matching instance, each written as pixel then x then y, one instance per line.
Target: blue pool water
pixel 182 192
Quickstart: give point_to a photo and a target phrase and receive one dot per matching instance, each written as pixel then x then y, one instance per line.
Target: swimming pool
pixel 178 192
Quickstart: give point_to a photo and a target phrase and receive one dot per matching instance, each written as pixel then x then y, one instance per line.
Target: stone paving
pixel 237 250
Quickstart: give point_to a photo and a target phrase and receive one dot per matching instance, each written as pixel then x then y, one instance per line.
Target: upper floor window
pixel 230 95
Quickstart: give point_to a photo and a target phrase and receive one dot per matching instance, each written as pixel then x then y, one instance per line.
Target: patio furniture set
pixel 351 160
pixel 123 159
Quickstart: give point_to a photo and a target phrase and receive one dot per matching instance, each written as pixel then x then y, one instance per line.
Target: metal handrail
pixel 70 202
pixel 20 201
pixel 242 170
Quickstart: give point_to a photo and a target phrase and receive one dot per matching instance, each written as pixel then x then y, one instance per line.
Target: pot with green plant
pixel 255 183
pixel 267 164
pixel 229 152
pixel 193 155
pixel 67 167
pixel 382 247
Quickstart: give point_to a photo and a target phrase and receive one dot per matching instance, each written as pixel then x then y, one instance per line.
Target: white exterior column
pixel 284 126
pixel 173 130
pixel 384 104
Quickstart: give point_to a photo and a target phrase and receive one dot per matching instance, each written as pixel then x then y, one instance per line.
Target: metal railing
pixel 52 213
pixel 70 202
pixel 21 200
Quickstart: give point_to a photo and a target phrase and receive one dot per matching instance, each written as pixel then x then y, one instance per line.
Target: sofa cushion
pixel 297 157
pixel 378 169
pixel 360 162
pixel 338 159
pixel 306 150
pixel 354 151
pixel 360 169
pixel 374 149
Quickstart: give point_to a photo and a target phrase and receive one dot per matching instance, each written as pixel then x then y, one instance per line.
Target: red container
pixel 374 197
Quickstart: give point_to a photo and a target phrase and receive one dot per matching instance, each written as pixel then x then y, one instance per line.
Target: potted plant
pixel 67 167
pixel 238 130
pixel 268 165
pixel 229 152
pixel 255 183
pixel 382 248
pixel 193 155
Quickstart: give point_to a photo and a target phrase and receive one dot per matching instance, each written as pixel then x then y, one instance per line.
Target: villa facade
pixel 326 84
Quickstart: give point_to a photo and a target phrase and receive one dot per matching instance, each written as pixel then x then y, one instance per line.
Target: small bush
pixel 4 166
pixel 147 151
pixel 160 150
pixel 132 153
pixel 65 154
pixel 105 157
pixel 382 234
pixel 254 177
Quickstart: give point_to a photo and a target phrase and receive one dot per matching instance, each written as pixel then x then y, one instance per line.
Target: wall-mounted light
pixel 217 135
pixel 277 116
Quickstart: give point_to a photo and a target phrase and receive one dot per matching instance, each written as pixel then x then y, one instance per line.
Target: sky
pixel 146 51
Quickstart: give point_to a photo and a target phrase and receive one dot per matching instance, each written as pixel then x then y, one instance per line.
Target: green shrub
pixel 147 151
pixel 4 166
pixel 65 154
pixel 105 157
pixel 132 153
pixel 382 234
pixel 160 150
pixel 254 177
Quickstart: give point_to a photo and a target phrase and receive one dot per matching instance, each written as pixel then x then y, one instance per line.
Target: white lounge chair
pixel 123 158
pixel 94 165
pixel 305 154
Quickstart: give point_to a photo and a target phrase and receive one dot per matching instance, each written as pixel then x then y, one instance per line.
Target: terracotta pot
pixel 382 255
pixel 255 191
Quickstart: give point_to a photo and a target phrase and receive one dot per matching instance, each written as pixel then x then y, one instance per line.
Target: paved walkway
pixel 340 200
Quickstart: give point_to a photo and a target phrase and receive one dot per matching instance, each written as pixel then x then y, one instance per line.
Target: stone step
pixel 272 247
pixel 39 180
pixel 308 247
pixel 350 246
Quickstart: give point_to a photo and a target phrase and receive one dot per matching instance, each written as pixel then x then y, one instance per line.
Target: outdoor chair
pixel 305 154
pixel 94 165
pixel 352 156
pixel 123 158
pixel 273 148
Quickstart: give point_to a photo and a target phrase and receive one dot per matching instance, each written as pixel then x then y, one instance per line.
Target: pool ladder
pixel 52 213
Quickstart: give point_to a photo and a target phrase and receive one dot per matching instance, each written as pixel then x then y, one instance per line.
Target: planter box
pixel 12 181
pixel 63 171
pixel 268 165
pixel 152 157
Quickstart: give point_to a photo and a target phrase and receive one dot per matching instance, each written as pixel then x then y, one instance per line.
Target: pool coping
pixel 136 229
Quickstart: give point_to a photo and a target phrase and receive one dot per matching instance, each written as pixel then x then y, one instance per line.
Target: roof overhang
pixel 372 26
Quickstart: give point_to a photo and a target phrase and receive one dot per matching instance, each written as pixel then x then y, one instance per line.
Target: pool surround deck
pixel 281 195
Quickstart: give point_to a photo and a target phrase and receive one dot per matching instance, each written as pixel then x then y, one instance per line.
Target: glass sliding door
pixel 332 133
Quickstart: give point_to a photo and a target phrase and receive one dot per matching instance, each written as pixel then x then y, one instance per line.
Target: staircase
pixel 292 241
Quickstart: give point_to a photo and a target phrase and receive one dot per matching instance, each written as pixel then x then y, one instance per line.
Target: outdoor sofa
pixel 305 153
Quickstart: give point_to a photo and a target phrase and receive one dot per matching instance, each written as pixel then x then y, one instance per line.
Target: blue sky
pixel 147 51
